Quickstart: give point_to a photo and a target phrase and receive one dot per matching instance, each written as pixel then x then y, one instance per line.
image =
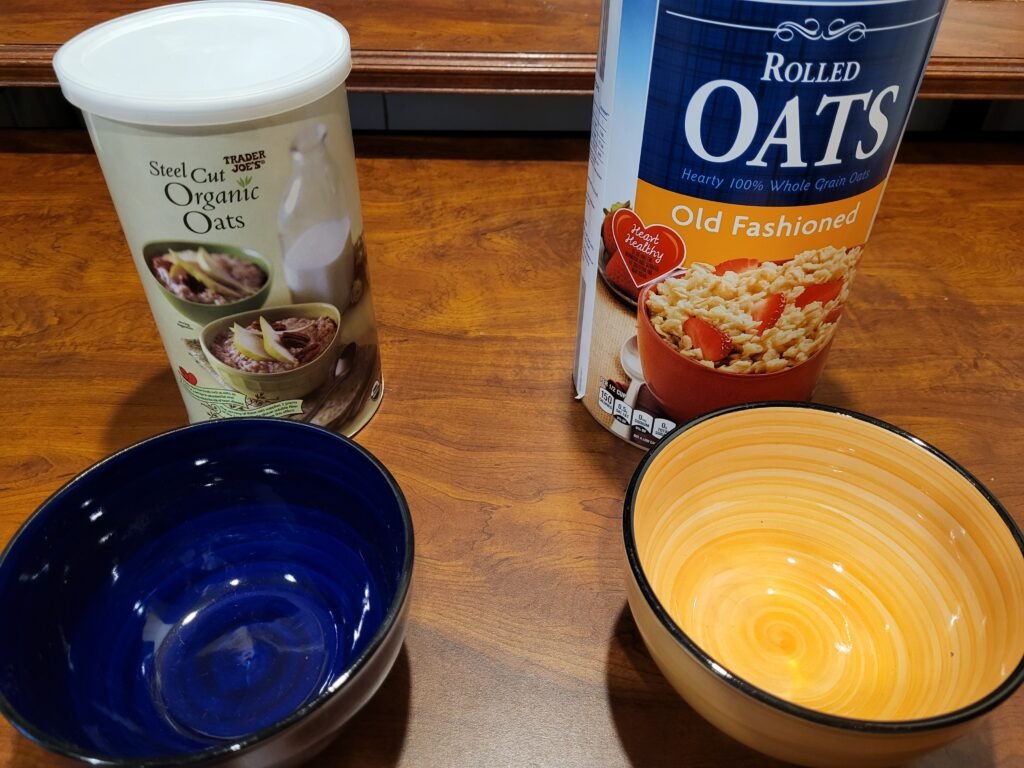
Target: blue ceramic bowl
pixel 227 593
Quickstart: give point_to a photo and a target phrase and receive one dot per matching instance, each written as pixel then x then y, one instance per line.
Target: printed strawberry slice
pixel 607 234
pixel 713 344
pixel 823 292
pixel 737 266
pixel 768 311
pixel 617 274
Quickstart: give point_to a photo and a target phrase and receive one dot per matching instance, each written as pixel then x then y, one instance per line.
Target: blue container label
pixel 772 103
pixel 738 156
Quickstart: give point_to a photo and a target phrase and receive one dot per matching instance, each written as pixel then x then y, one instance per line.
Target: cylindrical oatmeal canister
pixel 738 156
pixel 223 132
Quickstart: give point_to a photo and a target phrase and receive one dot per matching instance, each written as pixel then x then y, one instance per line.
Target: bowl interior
pixel 831 562
pixel 199 588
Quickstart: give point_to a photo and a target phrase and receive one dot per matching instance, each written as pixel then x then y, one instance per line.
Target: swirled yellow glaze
pixel 832 563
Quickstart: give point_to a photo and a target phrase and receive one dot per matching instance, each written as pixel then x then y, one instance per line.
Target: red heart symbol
pixel 649 252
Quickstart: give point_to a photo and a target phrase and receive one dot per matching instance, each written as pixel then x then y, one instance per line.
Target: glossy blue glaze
pixel 199 588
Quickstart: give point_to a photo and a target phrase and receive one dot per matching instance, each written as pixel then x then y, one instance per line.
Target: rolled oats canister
pixel 223 132
pixel 738 156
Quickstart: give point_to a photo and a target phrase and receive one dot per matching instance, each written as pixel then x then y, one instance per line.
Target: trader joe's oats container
pixel 738 156
pixel 223 132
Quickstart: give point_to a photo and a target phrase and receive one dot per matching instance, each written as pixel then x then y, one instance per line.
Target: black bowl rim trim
pixel 241 746
pixel 985 704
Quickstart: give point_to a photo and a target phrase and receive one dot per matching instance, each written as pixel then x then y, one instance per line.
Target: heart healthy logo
pixel 650 252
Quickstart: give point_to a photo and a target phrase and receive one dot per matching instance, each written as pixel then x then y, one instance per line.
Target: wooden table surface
pixel 520 649
pixel 537 46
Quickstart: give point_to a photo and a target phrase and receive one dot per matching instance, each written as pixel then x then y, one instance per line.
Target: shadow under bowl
pixel 822 586
pixel 228 593
pixel 282 385
pixel 205 313
pixel 686 389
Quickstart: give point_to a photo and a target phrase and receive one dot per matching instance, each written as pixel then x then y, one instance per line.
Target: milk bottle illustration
pixel 314 225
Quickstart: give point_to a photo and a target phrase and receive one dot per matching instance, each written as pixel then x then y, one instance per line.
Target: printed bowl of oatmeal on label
pixel 282 352
pixel 206 281
pixel 741 331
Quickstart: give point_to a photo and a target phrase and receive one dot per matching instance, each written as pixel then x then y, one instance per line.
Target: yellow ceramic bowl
pixel 824 587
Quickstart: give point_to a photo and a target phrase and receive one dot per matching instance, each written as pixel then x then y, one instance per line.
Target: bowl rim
pixel 239 746
pixel 917 725
pixel 644 318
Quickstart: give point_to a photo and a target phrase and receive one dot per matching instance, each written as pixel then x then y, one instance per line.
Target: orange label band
pixel 716 232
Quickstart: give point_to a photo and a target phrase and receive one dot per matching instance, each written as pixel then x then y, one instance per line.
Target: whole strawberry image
pixel 612 266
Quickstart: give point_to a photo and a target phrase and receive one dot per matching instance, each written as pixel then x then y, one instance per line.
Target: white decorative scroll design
pixel 813 30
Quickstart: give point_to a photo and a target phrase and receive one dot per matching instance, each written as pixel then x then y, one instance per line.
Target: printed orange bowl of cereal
pixel 206 281
pixel 741 331
pixel 280 353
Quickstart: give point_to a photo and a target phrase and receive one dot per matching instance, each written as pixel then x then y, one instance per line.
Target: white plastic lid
pixel 204 63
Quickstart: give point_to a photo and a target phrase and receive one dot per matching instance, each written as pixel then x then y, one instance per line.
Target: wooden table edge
pixel 536 72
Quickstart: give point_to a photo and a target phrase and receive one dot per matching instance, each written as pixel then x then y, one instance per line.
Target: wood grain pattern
pixel 537 46
pixel 520 650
